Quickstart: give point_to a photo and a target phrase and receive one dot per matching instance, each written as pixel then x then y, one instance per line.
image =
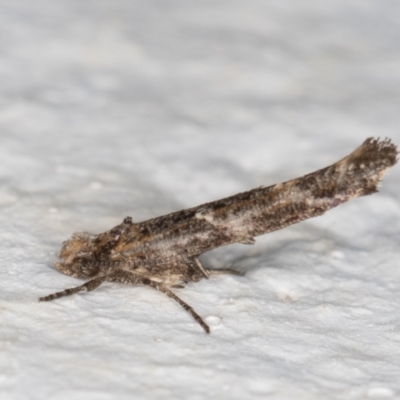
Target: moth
pixel 163 252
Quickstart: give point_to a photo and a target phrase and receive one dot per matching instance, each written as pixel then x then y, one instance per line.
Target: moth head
pixel 77 255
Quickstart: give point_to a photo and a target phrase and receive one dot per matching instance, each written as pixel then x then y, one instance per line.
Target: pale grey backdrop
pixel 115 108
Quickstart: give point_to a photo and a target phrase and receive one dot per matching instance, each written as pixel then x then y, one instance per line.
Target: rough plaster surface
pixel 116 108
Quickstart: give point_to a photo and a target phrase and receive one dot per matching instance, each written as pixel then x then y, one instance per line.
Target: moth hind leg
pixel 224 271
pixel 198 266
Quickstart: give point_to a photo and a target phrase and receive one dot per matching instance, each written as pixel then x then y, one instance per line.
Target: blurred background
pixel 115 108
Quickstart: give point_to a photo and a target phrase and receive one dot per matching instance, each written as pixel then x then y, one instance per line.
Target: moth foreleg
pixel 86 287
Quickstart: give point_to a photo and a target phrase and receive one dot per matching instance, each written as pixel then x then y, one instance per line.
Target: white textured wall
pixel 115 108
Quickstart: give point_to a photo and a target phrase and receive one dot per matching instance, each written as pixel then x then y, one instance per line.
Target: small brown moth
pixel 163 252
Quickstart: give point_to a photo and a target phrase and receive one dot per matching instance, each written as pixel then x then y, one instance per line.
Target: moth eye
pixel 89 270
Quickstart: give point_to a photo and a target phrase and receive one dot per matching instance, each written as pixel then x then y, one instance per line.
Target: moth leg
pixel 224 271
pixel 133 279
pixel 86 287
pixel 198 265
pixel 186 306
